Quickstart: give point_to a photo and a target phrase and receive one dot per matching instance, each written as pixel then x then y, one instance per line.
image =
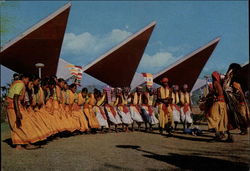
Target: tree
pixel 6 21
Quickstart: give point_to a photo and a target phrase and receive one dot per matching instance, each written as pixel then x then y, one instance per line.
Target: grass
pixel 4 127
pixel 3 110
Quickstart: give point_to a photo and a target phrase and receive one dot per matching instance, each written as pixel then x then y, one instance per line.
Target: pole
pixel 39 66
pixel 40 72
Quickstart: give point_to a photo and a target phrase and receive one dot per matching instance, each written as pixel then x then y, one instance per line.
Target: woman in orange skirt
pixel 88 111
pixel 77 113
pixel 39 107
pixel 74 124
pixel 49 105
pixel 29 105
pixel 23 130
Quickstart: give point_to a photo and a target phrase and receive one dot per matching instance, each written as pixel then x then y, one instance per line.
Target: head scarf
pixel 216 75
pixel 164 79
pixel 185 86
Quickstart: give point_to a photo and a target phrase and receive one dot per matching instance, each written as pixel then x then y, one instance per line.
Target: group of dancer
pixel 40 109
pixel 226 106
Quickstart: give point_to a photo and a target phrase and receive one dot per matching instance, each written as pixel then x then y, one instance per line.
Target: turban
pixel 118 90
pixel 185 86
pixel 175 87
pixel 216 75
pixel 164 80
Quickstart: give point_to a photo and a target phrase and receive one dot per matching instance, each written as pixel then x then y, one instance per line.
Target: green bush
pixel 3 110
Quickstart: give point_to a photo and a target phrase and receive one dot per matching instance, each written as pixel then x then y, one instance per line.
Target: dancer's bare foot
pixel 30 147
pixel 19 147
pixel 243 132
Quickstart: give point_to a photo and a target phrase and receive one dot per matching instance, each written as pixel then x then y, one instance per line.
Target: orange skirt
pixel 78 114
pixel 93 122
pixel 38 122
pixel 55 120
pixel 74 124
pixel 28 131
pixel 165 116
pixel 60 115
pixel 47 119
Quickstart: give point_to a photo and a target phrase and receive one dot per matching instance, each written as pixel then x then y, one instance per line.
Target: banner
pixel 76 72
pixel 206 88
pixel 148 78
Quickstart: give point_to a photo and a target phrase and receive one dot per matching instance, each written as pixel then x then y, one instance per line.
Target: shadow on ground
pixel 44 142
pixel 194 138
pixel 9 142
pixel 114 167
pixel 193 162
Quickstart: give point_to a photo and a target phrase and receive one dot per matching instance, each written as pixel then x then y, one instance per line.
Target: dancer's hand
pixel 18 123
pixel 19 115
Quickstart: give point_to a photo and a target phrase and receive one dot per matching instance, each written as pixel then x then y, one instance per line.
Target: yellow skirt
pixel 74 124
pixel 47 118
pixel 165 118
pixel 93 122
pixel 218 118
pixel 18 135
pixel 78 112
pixel 68 121
pixel 28 131
pixel 60 115
pixel 55 118
pixel 38 122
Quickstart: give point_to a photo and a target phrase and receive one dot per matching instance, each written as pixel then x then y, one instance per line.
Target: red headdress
pixel 216 75
pixel 164 79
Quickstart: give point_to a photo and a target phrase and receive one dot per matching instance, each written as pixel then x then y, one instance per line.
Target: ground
pixel 129 151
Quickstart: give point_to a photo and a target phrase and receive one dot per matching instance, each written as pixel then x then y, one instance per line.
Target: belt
pixel 220 99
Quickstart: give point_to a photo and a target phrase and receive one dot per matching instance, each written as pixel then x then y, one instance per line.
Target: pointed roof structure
pixel 39 44
pixel 187 69
pixel 117 67
pixel 199 84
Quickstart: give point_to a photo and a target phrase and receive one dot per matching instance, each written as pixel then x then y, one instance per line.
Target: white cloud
pixel 181 48
pixel 89 44
pixel 174 48
pixel 158 60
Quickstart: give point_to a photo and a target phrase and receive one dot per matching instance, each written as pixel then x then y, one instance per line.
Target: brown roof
pixel 39 44
pixel 117 67
pixel 187 69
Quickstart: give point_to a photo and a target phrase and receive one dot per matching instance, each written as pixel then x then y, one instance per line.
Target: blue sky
pixel 182 26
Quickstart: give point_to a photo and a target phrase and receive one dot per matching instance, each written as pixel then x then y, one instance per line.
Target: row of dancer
pixel 41 109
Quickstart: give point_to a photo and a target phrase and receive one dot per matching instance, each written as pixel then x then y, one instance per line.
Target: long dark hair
pixel 36 87
pixel 51 82
pixel 235 69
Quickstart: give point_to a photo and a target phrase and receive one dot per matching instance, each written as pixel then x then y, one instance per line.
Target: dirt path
pixel 130 151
